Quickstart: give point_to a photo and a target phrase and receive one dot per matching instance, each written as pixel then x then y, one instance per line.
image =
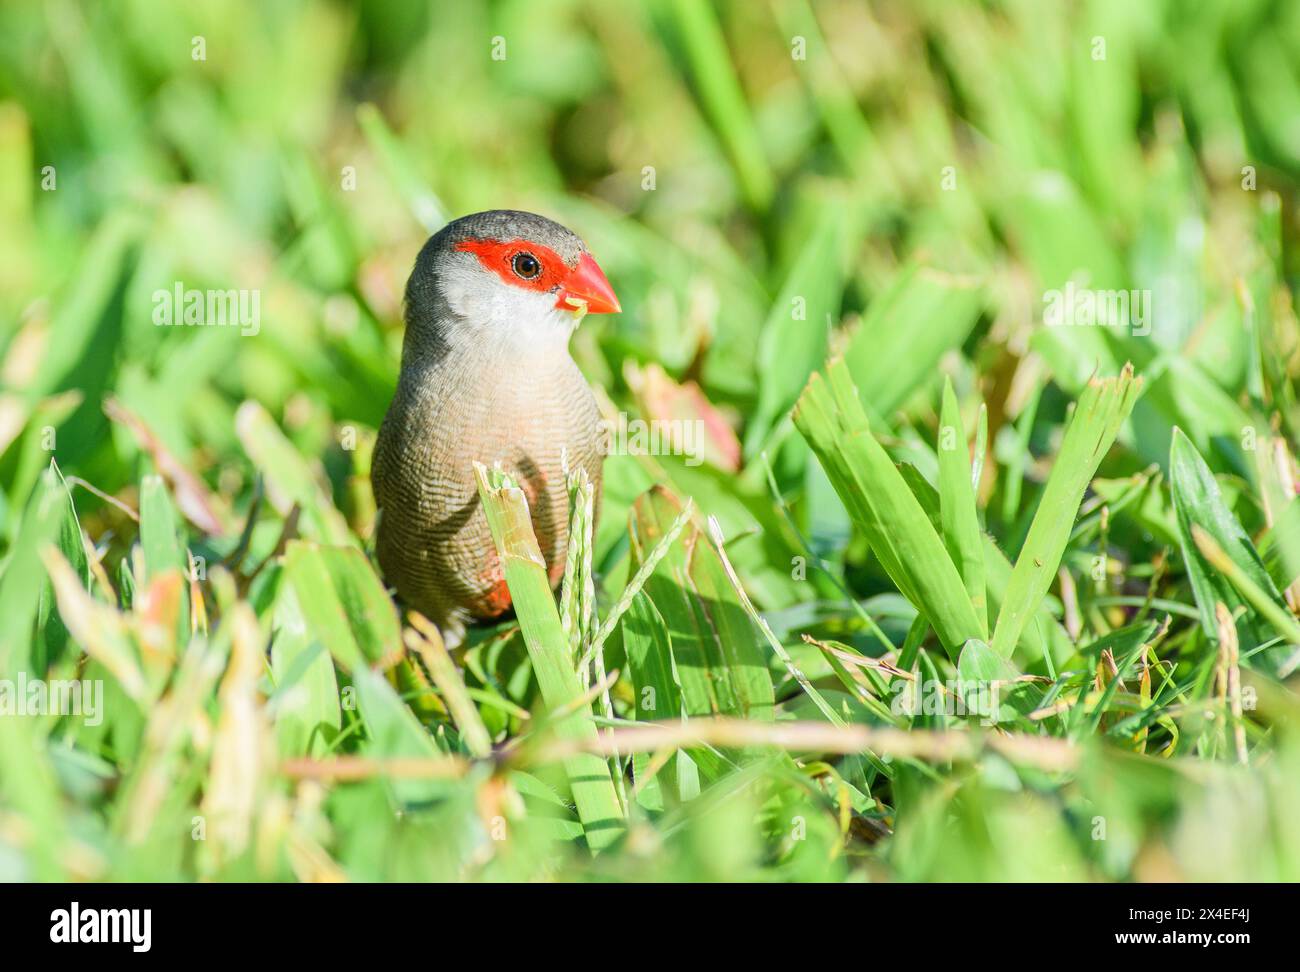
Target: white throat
pixel 516 322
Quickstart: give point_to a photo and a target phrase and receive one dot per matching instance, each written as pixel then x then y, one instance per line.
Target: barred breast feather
pixel 433 544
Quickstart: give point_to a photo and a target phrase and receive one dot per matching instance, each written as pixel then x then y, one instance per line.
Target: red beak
pixel 586 282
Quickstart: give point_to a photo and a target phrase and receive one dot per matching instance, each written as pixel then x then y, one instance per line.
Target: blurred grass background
pixel 763 183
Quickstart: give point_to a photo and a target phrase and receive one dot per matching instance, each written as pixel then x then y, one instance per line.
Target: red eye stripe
pixel 498 256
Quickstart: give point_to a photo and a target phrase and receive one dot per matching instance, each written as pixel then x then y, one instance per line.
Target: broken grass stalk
pixel 544 636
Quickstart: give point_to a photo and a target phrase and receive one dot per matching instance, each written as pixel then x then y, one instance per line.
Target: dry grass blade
pixel 199 505
pixel 242 746
pixel 818 737
pixel 1229 679
pixel 172 720
pixel 426 641
pixel 348 769
pixel 100 629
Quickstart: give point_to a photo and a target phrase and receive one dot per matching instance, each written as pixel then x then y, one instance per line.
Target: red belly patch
pixel 494 602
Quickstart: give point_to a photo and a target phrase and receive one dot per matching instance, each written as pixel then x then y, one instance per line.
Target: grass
pixel 949 592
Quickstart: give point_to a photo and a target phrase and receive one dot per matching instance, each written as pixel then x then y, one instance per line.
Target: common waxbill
pixel 486 376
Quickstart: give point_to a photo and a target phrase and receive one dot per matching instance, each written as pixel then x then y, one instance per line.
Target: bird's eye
pixel 526 265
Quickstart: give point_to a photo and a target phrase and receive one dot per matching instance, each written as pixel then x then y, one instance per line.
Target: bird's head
pixel 505 276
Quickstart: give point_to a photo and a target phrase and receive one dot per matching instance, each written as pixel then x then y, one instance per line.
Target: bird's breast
pixel 529 418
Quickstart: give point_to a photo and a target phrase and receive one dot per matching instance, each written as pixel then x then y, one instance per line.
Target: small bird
pixel 486 376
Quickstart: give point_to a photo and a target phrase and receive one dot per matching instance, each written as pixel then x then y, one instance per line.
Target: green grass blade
pixel 335 616
pixel 643 572
pixel 907 330
pixel 830 417
pixel 719 89
pixel 797 330
pixel 289 479
pixel 306 700
pixel 423 203
pixel 960 518
pixel 649 652
pixel 393 732
pixel 1199 505
pixel 1280 548
pixel 158 534
pixel 164 551
pixel 31 643
pixel 986 678
pixel 1263 601
pixel 1097 419
pixel 319 603
pixel 530 590
pixel 854 142
pixel 779 649
pixel 720 664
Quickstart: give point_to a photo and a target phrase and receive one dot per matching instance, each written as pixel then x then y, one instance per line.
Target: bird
pixel 486 376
